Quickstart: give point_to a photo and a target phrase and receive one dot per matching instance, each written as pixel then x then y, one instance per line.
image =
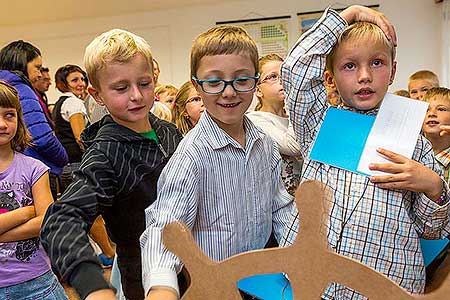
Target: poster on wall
pixel 270 34
pixel 306 20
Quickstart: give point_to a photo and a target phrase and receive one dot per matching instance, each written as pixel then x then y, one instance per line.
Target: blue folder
pixel 267 287
pixel 341 139
pixel 432 248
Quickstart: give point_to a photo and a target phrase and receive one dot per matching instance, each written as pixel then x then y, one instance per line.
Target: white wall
pixel 170 33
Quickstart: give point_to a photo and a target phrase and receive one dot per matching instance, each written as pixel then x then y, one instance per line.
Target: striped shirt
pixel 378 227
pixel 227 195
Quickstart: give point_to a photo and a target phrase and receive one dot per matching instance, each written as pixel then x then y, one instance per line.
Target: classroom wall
pixel 170 32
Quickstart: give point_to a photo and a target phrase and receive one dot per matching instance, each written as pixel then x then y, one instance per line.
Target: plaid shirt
pixel 443 159
pixel 378 227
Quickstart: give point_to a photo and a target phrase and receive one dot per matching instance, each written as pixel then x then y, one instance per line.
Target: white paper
pixel 396 128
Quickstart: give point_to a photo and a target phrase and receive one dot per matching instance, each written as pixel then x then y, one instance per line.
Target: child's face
pixel 229 107
pixel 438 114
pixel 362 73
pixel 270 88
pixel 127 90
pixel 418 88
pixel 194 107
pixel 76 83
pixel 8 125
pixel 167 99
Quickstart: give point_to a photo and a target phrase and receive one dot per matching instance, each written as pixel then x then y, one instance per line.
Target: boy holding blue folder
pixel 375 220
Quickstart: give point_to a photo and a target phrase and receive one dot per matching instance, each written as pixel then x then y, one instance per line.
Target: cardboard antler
pixel 311 266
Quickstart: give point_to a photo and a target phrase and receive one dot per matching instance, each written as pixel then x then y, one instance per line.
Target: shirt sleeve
pixel 66 225
pixel 302 73
pixel 177 201
pixel 72 106
pixel 283 205
pixel 431 219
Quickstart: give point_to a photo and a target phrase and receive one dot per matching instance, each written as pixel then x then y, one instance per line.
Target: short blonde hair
pixel 116 45
pixel 221 40
pixel 425 75
pixel 161 111
pixel 437 92
pixel 360 31
pixel 178 112
pixel 170 89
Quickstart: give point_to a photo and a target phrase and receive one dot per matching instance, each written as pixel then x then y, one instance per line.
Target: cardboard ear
pixel 95 94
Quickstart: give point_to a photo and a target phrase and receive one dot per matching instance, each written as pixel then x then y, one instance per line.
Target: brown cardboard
pixel 309 264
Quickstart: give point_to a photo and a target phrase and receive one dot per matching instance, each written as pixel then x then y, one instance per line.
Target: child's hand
pixel 358 13
pixel 406 174
pixel 106 294
pixel 445 130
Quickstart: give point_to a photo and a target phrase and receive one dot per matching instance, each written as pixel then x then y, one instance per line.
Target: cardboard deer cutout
pixel 310 265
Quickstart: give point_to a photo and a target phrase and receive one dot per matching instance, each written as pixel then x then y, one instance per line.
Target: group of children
pixel 223 178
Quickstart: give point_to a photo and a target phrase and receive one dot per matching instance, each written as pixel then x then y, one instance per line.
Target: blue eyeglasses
pixel 217 86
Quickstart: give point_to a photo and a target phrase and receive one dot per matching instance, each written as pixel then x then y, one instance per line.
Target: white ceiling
pixel 22 12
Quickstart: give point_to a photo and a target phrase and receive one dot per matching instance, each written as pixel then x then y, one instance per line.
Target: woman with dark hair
pixel 69 115
pixel 20 64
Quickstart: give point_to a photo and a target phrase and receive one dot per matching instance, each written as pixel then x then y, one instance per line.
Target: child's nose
pixel 135 94
pixel 364 74
pixel 3 123
pixel 228 91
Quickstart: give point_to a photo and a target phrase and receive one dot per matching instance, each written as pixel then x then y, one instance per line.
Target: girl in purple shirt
pixel 24 197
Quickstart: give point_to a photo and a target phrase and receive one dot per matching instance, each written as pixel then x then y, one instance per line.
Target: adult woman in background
pixel 69 115
pixel 20 64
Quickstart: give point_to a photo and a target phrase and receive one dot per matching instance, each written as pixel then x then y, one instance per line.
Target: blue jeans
pixel 44 287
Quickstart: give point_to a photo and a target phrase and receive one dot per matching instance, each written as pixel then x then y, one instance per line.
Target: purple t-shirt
pixel 22 260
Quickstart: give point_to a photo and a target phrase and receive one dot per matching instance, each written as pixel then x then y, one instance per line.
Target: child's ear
pixel 329 79
pixel 394 69
pixel 196 86
pixel 95 94
pixel 258 92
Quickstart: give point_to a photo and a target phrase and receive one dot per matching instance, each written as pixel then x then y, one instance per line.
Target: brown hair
pixel 261 62
pixel 220 40
pixel 9 98
pixel 403 93
pixel 360 31
pixel 425 75
pixel 61 77
pixel 178 113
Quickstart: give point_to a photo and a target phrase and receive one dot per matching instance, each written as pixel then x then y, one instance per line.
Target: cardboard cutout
pixel 310 265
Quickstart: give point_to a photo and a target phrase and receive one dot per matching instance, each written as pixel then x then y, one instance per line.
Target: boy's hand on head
pixel 406 174
pixel 162 293
pixel 358 13
pixel 445 130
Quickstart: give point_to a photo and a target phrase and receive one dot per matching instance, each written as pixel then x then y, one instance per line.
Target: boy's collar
pixel 218 138
pixel 371 112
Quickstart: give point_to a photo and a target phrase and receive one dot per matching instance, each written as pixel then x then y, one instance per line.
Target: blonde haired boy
pixel 224 179
pixel 376 220
pixel 420 82
pixel 438 114
pixel 126 151
pixel 166 95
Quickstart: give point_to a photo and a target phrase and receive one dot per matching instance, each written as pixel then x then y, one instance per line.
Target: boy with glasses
pixel 224 180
